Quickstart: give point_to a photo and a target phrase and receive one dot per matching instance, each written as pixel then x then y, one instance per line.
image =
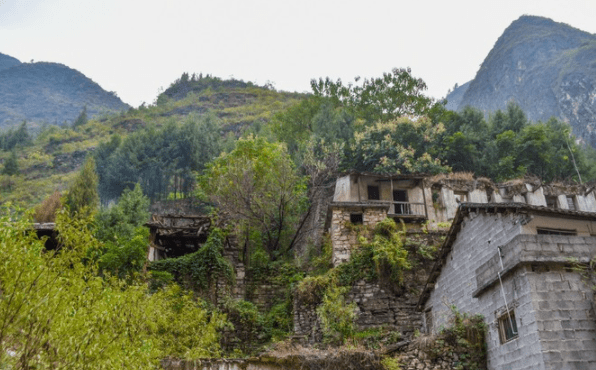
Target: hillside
pixel 57 152
pixel 548 68
pixel 7 61
pixel 49 93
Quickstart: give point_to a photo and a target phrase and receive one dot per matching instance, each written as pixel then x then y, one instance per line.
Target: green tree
pixel 385 98
pixel 11 166
pixel 256 184
pixel 81 118
pixel 57 313
pixel 82 196
pixel 400 146
pixel 121 220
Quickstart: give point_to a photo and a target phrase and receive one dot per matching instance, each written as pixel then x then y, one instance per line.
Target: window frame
pixel 506 333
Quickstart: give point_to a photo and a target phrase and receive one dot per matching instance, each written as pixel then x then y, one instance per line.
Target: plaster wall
pixel 582 227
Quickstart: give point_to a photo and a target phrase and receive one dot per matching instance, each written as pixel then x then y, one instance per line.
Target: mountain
pixel 49 92
pixel 548 68
pixel 7 61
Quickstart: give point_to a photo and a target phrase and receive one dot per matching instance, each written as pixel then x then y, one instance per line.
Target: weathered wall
pixel 343 236
pixel 475 244
pixel 553 307
pixel 378 304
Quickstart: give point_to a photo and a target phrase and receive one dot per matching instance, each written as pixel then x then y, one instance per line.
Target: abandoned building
pixel 509 254
pixel 513 264
pixel 365 198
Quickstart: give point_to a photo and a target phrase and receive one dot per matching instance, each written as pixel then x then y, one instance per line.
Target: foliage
pixel 161 160
pixel 56 313
pixel 467 335
pixel 202 269
pixel 120 221
pixel 390 363
pixel 508 146
pixel 82 197
pixel 81 119
pixel 11 165
pixel 12 138
pixel 383 99
pixel 337 317
pixel 46 211
pixel 399 146
pixel 126 256
pixel 257 186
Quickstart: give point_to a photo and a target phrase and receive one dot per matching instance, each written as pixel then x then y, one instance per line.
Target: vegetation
pixel 82 196
pixel 57 313
pixel 257 186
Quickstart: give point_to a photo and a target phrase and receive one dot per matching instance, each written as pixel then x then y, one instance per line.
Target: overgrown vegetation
pixel 58 313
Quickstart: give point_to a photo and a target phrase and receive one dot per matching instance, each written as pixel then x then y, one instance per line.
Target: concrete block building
pixel 514 263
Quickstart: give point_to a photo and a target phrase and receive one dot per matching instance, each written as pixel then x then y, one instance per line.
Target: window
pixel 356 218
pixel 507 327
pixel 373 193
pixel 460 196
pixel 545 231
pixel 551 201
pixel 402 206
pixel 570 203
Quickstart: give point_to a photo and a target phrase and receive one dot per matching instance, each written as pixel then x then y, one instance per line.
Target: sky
pixel 138 48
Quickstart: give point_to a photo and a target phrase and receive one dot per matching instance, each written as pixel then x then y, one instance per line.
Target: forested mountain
pixel 159 145
pixel 49 93
pixel 547 68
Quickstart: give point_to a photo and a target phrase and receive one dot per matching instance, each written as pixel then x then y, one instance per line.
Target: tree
pixel 82 196
pixel 57 313
pixel 81 119
pixel 400 146
pixel 11 166
pixel 385 98
pixel 256 184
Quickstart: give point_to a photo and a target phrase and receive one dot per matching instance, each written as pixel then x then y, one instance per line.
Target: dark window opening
pixel 507 327
pixel 544 231
pixel 356 218
pixel 401 206
pixel 551 202
pixel 571 204
pixel 373 193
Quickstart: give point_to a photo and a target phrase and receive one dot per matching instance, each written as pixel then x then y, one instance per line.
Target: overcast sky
pixel 136 47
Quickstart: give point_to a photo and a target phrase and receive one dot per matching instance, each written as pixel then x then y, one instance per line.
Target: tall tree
pixel 384 98
pixel 11 166
pixel 82 196
pixel 256 183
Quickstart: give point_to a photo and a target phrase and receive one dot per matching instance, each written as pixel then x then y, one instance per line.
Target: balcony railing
pixel 404 209
pixel 408 209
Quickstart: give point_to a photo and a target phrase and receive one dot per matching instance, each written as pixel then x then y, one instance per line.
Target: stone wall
pixel 379 304
pixel 343 234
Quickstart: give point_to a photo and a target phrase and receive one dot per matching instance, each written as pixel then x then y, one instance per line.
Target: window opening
pixel 507 327
pixel 373 192
pixel 460 196
pixel 356 218
pixel 545 231
pixel 401 205
pixel 571 203
pixel 551 202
